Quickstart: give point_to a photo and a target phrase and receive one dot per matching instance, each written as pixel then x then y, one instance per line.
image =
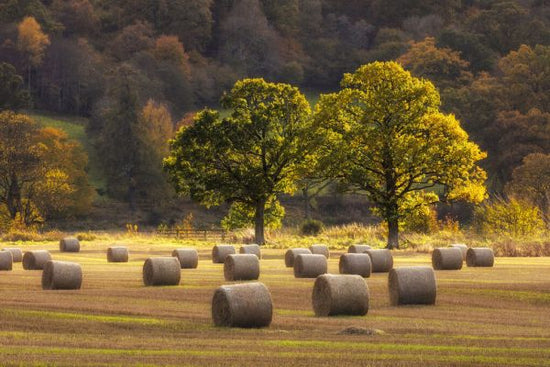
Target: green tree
pixel 133 141
pixel 12 95
pixel 249 157
pixel 388 138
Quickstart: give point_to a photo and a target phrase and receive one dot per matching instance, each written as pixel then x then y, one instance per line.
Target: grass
pixel 491 317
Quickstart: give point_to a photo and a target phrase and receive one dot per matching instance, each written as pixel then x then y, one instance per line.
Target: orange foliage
pixel 32 40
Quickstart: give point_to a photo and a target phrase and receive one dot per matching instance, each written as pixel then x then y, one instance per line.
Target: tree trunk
pixel 393 233
pixel 307 204
pixel 259 222
pixel 13 198
pixel 392 218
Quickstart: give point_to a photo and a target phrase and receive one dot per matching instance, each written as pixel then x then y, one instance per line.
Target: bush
pixel 86 236
pixel 311 227
pixel 512 218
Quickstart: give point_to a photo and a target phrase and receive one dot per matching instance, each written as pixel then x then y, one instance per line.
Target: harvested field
pixel 483 316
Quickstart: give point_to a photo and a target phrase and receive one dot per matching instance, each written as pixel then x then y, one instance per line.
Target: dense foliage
pixel 387 137
pixel 487 59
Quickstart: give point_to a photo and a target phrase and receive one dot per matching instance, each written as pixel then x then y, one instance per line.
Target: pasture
pixel 483 316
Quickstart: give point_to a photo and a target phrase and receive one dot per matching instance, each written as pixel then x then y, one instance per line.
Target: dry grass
pixel 482 317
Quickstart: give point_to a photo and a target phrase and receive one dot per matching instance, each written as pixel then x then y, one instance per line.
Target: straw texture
pixel 340 295
pixel 242 305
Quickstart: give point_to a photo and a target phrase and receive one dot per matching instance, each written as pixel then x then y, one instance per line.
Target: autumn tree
pixel 531 182
pixel 133 39
pixel 64 190
pixel 525 79
pixel 513 136
pixel 12 94
pixel 388 138
pixel 443 66
pixel 32 43
pixel 249 157
pixel 41 172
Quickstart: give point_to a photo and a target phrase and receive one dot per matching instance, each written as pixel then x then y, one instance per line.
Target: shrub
pixel 311 227
pixel 508 217
pixel 86 236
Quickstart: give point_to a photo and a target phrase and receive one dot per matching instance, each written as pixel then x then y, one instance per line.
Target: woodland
pixel 138 71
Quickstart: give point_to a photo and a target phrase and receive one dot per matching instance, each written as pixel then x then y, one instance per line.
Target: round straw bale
pixel 462 248
pixel 69 244
pixel 16 253
pixel 241 267
pixel 35 260
pixel 290 255
pixel 188 257
pixel 219 252
pixel 242 305
pixel 117 254
pixel 309 265
pixel 61 275
pixel 340 295
pixel 319 249
pixel 6 260
pixel 358 249
pixel 412 285
pixel 381 260
pixel 352 263
pixel 251 249
pixel 161 271
pixel 480 256
pixel 449 258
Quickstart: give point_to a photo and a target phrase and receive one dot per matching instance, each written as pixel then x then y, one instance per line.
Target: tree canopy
pixel 249 157
pixel 388 138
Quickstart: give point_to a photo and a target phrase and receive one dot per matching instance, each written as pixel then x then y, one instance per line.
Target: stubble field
pixel 483 316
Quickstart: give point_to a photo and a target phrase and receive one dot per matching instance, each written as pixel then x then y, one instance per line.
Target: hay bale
pixel 251 249
pixel 412 285
pixel 462 247
pixel 188 257
pixel 161 271
pixel 290 255
pixel 16 253
pixel 61 275
pixel 358 264
pixel 340 295
pixel 69 244
pixel 220 252
pixel 309 265
pixel 6 260
pixel 358 249
pixel 480 256
pixel 35 260
pixel 449 258
pixel 381 260
pixel 242 305
pixel 117 254
pixel 241 267
pixel 319 249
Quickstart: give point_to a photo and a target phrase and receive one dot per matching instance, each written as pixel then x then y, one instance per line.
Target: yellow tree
pixel 387 138
pixel 32 42
pixel 41 171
